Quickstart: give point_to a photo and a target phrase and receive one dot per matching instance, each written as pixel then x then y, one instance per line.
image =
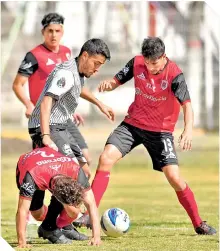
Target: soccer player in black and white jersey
pixel 58 101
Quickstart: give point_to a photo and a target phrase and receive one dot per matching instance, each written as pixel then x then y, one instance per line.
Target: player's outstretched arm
pixel 19 90
pixel 185 139
pixel 21 216
pixel 108 85
pixel 86 94
pixel 90 204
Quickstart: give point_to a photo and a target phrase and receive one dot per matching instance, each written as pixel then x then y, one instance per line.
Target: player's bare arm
pixel 108 85
pixel 45 110
pixel 86 94
pixel 18 88
pixel 90 204
pixel 21 216
pixel 185 139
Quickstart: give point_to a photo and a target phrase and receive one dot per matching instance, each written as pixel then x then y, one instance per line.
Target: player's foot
pixel 56 236
pixel 205 229
pixel 83 221
pixel 71 233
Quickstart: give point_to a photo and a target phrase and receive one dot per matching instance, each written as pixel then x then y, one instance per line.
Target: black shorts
pixel 76 134
pixel 159 145
pixel 63 139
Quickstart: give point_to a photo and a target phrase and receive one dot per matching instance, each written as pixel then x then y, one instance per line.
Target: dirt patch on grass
pixel 14 146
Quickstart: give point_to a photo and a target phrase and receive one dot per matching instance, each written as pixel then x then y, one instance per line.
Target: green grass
pixel 158 222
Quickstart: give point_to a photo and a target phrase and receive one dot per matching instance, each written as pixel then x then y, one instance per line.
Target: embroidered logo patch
pixel 61 82
pixel 164 84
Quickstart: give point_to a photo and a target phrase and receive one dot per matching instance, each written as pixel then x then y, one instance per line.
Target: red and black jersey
pixel 42 164
pixel 157 97
pixel 37 65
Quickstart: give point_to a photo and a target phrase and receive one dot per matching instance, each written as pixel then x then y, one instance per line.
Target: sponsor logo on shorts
pixel 171 155
pixel 66 149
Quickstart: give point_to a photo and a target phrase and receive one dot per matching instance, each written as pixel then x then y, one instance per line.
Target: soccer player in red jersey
pixel 160 90
pixel 45 168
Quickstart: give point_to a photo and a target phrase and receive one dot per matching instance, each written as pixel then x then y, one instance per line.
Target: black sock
pixel 54 209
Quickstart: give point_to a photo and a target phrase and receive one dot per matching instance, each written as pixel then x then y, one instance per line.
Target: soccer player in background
pixel 160 90
pixel 37 65
pixel 45 168
pixel 48 123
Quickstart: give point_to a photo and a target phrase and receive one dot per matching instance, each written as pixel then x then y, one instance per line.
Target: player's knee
pixel 177 183
pixel 106 159
pixel 73 213
pixel 39 216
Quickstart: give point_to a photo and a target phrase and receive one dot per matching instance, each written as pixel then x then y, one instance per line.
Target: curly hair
pixel 68 191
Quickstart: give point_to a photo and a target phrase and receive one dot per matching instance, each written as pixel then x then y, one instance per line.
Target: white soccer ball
pixel 115 222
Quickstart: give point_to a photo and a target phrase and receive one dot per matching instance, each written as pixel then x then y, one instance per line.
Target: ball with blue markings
pixel 115 222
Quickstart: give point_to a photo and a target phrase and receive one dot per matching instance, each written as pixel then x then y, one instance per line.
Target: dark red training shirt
pixel 45 163
pixel 157 97
pixel 38 64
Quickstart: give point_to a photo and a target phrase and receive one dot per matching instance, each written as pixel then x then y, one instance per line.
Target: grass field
pixel 158 222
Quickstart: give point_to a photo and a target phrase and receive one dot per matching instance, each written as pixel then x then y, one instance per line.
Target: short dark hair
pixel 52 18
pixel 96 46
pixel 67 190
pixel 153 48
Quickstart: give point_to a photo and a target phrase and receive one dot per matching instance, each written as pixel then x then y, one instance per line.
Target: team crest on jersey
pixel 68 56
pixel 61 82
pixel 66 149
pixel 164 84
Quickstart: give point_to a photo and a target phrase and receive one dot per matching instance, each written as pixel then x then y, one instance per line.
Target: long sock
pixel 54 209
pixel 187 200
pixel 64 219
pixel 99 185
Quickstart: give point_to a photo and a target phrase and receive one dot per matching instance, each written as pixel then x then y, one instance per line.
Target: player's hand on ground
pixel 185 140
pixel 25 245
pixel 29 110
pixel 78 119
pixel 95 241
pixel 108 112
pixel 105 85
pixel 48 142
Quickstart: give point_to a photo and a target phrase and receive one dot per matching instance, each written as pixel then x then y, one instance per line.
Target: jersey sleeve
pixel 180 89
pixel 28 66
pixel 28 187
pixel 126 73
pixel 61 82
pixel 83 180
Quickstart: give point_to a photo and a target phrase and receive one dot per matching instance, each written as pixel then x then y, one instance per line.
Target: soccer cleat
pixel 56 236
pixel 71 233
pixel 205 229
pixel 83 221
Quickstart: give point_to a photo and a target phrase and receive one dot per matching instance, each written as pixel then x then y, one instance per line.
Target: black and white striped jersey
pixel 64 85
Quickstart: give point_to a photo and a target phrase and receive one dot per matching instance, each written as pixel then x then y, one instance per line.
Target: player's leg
pixel 164 159
pixel 120 142
pixel 64 222
pixel 38 209
pixel 76 134
pixel 68 146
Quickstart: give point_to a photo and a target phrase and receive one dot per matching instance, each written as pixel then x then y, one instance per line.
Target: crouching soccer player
pixel 43 169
